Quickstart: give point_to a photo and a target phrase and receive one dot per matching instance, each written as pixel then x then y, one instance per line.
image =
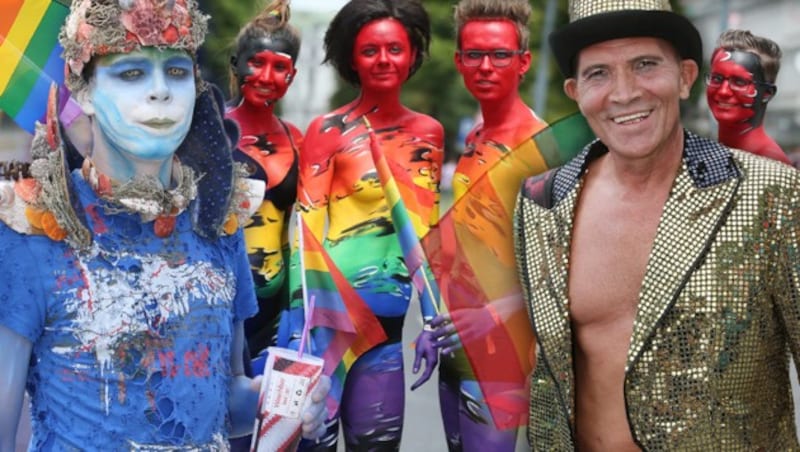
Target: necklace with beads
pixel 146 196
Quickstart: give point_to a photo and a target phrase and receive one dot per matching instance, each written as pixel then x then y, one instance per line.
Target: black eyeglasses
pixel 498 57
pixel 734 83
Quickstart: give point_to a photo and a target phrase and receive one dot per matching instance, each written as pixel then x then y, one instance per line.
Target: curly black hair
pixel 343 29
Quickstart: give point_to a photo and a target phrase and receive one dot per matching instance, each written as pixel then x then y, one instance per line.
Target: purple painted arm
pixel 425 349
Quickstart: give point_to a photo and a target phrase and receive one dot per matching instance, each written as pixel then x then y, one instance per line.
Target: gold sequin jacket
pixel 718 312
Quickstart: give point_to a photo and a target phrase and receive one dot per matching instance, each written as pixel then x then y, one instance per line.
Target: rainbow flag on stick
pixel 31 58
pixel 397 186
pixel 471 252
pixel 343 327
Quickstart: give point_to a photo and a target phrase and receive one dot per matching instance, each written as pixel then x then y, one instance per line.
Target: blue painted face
pixel 143 102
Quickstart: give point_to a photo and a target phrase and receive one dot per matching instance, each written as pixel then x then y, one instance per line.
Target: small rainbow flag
pixel 471 253
pixel 31 57
pixel 408 223
pixel 343 326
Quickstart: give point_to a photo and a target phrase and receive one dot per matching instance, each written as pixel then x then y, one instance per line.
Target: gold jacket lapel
pixel 690 213
pixel 546 280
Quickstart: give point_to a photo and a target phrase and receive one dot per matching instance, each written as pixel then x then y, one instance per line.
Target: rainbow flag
pixel 408 224
pixel 471 252
pixel 343 326
pixel 31 57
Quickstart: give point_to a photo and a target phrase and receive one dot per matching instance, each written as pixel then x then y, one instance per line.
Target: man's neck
pixel 755 141
pixel 744 136
pixel 499 113
pixel 735 132
pixel 383 107
pixel 253 119
pixel 640 173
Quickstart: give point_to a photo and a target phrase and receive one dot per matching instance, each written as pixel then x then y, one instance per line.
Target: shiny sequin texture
pixel 719 307
pixel 581 9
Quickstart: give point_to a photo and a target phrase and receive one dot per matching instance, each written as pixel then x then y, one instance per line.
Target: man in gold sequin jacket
pixel 660 268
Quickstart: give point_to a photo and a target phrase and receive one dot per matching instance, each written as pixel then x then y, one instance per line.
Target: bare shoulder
pixel 320 140
pixel 294 131
pixel 425 125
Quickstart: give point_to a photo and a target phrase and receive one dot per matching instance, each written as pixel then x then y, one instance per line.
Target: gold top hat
pixel 594 21
pixel 581 9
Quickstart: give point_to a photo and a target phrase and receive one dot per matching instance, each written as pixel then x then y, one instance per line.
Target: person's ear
pixel 525 62
pixel 689 72
pixel 769 93
pixel 457 61
pixel 291 76
pixel 571 88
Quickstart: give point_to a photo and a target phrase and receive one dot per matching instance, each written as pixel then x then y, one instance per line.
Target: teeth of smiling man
pixel 630 118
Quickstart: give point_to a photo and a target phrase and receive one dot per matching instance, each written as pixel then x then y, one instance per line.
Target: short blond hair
pixel 517 11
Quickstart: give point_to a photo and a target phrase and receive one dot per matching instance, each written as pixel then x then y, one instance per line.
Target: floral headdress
pixel 101 27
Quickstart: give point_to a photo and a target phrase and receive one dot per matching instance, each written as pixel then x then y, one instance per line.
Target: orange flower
pixel 231 225
pixel 34 216
pixel 164 225
pixel 170 35
pixel 51 227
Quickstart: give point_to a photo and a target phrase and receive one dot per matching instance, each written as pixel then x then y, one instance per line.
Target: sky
pixel 317 5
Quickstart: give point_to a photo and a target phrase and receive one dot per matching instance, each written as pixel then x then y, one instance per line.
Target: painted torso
pixel 269 149
pixel 485 147
pixel 342 184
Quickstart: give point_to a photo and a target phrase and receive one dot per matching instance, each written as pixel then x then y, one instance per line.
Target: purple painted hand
pixel 425 349
pixel 452 330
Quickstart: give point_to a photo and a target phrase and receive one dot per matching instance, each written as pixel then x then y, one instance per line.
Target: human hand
pixel 424 349
pixel 315 412
pixel 452 330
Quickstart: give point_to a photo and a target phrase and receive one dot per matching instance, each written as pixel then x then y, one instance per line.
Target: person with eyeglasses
pixel 741 83
pixel 492 57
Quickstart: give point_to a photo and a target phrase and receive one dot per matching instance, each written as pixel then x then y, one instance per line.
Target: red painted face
pixel 495 76
pixel 268 77
pixel 729 105
pixel 382 55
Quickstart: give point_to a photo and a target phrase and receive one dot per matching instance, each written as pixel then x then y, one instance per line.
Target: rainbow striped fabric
pixel 31 57
pixel 471 253
pixel 343 326
pixel 409 225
